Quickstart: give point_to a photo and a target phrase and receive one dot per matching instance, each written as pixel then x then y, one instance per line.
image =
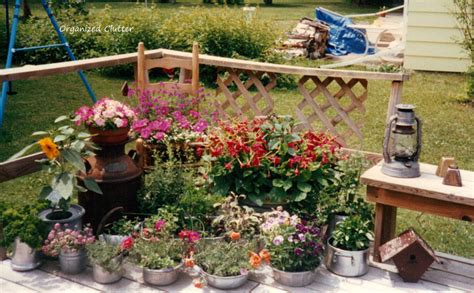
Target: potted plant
pixel 348 247
pixel 169 119
pixel 225 264
pixel 341 199
pixel 64 148
pixel 269 161
pixel 69 245
pixel 233 218
pixel 295 248
pixel 26 232
pixel 106 260
pixel 161 259
pixel 119 230
pixel 108 121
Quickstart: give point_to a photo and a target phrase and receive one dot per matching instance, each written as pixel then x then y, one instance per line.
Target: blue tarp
pixel 342 39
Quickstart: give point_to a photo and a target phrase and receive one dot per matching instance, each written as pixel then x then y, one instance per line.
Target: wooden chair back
pixel 189 68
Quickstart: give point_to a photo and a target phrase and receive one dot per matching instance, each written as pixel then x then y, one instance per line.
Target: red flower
pixel 127 243
pixel 234 235
pixel 228 166
pixel 198 284
pixel 297 172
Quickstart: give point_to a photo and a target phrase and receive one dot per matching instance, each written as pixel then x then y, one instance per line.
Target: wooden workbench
pixel 424 194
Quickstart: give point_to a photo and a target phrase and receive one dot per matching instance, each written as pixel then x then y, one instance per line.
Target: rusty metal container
pixel 115 172
pixel 410 253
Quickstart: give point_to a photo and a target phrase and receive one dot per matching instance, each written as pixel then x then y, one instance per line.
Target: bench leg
pixel 385 225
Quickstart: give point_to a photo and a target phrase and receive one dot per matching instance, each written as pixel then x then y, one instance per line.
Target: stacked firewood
pixel 309 38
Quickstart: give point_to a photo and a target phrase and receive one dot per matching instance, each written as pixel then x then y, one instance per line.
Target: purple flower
pixel 159 225
pixel 301 237
pixel 138 124
pixel 200 126
pixel 314 230
pixel 244 271
pixel 145 133
pixel 195 114
pixel 278 240
pixel 159 136
pixel 298 251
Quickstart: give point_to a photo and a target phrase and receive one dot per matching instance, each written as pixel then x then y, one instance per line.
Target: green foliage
pixel 64 147
pixel 219 31
pixel 197 208
pixel 353 234
pixel 235 218
pixel 123 226
pixel 470 83
pixel 269 161
pixel 164 185
pixel 222 258
pixel 341 197
pixel 157 255
pixel 105 255
pixel 168 214
pixel 24 223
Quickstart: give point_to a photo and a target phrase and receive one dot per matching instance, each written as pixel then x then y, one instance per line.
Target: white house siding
pixel 431 37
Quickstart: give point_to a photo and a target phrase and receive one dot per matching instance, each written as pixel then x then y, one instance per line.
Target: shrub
pixel 164 185
pixel 220 31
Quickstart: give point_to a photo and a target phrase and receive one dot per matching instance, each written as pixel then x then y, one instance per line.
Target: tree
pixel 463 12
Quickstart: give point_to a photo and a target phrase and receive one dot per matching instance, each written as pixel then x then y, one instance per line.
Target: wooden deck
pixel 454 274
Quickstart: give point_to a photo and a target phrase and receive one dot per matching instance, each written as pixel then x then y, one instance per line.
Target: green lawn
pixel 447 128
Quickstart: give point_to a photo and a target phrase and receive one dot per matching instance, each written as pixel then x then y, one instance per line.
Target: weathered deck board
pixel 453 274
pixel 41 281
pixel 8 286
pixel 380 278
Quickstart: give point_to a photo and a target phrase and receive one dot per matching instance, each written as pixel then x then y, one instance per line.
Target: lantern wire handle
pixel 418 139
pixel 386 156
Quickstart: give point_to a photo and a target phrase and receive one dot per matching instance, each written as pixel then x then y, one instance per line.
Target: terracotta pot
pixel 109 137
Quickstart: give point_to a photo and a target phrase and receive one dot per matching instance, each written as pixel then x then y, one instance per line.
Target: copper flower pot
pixel 108 137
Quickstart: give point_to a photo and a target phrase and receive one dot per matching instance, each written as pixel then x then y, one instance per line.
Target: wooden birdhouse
pixel 410 253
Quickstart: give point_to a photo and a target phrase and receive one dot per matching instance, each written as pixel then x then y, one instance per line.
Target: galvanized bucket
pixel 73 262
pixel 112 239
pixel 225 283
pixel 74 221
pixel 346 263
pixel 294 279
pixel 103 276
pixel 161 277
pixel 24 257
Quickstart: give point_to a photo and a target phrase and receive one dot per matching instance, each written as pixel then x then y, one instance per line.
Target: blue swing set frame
pixel 11 50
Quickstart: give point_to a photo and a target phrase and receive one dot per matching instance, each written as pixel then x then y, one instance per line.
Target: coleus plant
pixel 268 160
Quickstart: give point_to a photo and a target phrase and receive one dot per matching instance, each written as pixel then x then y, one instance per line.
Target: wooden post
pixel 195 67
pixel 395 98
pixel 141 69
pixel 385 222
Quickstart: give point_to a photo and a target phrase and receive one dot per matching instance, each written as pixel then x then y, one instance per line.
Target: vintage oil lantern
pixel 402 143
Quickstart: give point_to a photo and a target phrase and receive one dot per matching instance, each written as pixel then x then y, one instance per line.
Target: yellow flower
pixel 49 148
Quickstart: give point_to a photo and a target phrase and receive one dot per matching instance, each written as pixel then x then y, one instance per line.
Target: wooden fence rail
pixel 245 94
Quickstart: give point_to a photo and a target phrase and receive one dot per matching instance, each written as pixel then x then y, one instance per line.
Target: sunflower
pixel 49 148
